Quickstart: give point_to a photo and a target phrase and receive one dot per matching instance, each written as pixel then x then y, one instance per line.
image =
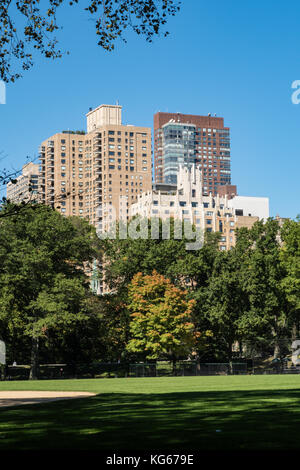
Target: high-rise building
pixel 26 186
pixel 185 139
pixel 62 159
pixel 104 115
pixel 88 175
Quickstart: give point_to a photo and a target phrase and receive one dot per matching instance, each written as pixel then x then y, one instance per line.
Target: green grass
pixel 252 412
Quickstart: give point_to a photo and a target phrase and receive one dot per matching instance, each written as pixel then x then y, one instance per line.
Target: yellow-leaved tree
pixel 161 324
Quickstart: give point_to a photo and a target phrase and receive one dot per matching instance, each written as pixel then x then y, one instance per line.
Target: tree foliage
pixel 161 317
pixel 166 301
pixel 127 257
pixel 267 313
pixel 222 301
pixel 43 285
pixel 290 258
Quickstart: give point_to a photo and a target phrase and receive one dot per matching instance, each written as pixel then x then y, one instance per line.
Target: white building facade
pixel 186 202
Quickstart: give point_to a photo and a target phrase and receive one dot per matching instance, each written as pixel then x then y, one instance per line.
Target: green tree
pixel 29 25
pixel 268 313
pixel 43 285
pixel 161 318
pixel 82 341
pixel 194 269
pixel 290 260
pixel 115 327
pixel 126 257
pixel 221 302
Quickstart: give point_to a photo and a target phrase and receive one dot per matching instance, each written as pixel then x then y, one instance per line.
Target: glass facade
pixel 179 143
pixel 184 139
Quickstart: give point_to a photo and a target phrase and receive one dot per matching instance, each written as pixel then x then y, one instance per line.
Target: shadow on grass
pixel 227 420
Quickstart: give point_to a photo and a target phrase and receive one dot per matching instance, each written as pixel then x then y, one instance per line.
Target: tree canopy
pixel 161 318
pixel 164 301
pixel 43 285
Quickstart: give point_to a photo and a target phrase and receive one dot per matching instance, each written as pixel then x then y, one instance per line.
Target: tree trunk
pixel 294 331
pixel 174 364
pixel 276 349
pixel 34 370
pixel 229 354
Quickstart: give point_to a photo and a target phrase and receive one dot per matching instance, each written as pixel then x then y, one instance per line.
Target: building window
pixel 239 212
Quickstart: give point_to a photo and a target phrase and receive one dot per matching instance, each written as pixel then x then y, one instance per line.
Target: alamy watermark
pixel 112 227
pixel 2 92
pixel 296 94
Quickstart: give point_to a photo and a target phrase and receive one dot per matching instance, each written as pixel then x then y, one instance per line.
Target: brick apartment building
pixel 185 139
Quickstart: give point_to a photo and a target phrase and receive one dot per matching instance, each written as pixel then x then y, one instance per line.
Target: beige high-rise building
pixel 87 174
pixel 103 115
pixel 26 186
pixel 62 176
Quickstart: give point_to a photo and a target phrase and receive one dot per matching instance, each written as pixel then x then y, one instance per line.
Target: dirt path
pixel 30 398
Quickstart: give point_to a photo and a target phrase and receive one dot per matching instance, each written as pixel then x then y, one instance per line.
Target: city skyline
pixel 245 75
pixel 107 117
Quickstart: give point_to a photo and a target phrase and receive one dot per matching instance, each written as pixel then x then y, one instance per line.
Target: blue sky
pixel 235 59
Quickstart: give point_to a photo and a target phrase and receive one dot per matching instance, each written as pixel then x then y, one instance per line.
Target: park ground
pixel 201 413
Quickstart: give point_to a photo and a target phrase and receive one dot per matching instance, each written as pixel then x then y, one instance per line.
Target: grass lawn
pixel 203 413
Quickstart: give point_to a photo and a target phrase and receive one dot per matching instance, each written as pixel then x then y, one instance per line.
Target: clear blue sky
pixel 236 59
